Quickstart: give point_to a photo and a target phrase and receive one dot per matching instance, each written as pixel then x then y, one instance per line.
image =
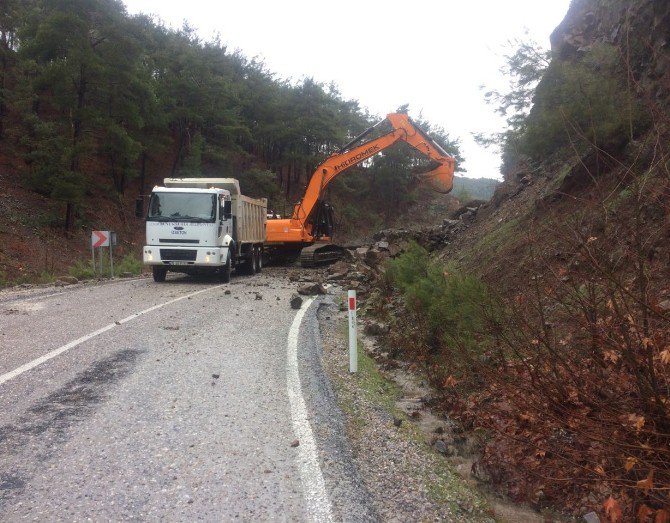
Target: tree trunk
pixel 69 218
pixel 76 134
pixel 177 157
pixel 288 179
pixel 3 105
pixel 143 172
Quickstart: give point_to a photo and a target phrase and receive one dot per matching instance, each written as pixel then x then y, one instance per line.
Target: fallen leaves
pixel 646 484
pixel 630 463
pixel 613 510
pixel 450 382
pixel 636 421
pixel 600 471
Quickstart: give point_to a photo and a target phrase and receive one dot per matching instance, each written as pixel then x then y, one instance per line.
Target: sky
pixel 433 55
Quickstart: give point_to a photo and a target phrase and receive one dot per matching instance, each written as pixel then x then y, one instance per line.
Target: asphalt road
pixel 178 401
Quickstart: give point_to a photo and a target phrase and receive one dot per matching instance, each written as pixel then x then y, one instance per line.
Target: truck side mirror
pixel 227 209
pixel 139 207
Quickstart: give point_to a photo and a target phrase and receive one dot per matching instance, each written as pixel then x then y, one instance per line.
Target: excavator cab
pixel 324 221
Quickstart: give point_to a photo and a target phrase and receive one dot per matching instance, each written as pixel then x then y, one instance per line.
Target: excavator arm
pixel 299 228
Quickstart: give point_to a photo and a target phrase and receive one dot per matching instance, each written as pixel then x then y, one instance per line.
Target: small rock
pixel 374 329
pixel 361 252
pixel 382 246
pixel 373 257
pixel 439 430
pixel 295 443
pixel 450 223
pixel 397 422
pixel 440 446
pixel 215 376
pixel 664 305
pixel 70 280
pixel 227 291
pixel 591 517
pixel 296 302
pixel 259 296
pixel 311 289
pixel 117 322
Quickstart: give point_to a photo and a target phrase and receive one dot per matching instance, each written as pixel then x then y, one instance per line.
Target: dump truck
pixel 204 225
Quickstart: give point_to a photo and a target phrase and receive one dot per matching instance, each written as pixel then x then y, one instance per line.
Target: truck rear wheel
pixel 249 266
pixel 159 273
pixel 259 259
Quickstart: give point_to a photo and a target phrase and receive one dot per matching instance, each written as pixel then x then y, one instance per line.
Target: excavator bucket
pixel 440 179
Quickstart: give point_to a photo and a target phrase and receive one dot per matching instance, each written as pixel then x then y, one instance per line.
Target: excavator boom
pixel 303 229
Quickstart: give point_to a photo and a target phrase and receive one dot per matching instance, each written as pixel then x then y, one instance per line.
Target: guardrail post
pixel 353 339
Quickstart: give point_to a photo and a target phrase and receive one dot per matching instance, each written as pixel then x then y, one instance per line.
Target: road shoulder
pixel 405 479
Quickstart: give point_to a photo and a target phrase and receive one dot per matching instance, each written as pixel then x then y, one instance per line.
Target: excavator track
pixel 321 254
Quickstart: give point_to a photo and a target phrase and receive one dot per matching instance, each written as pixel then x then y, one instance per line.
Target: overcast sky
pixel 432 54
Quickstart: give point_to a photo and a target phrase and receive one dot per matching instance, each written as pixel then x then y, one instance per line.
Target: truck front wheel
pixel 159 273
pixel 224 272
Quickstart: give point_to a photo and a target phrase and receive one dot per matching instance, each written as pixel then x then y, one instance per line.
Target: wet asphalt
pixel 178 414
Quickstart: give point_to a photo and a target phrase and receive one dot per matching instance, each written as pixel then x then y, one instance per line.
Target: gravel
pixel 405 479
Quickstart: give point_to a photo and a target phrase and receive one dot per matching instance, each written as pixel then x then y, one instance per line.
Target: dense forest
pixel 91 97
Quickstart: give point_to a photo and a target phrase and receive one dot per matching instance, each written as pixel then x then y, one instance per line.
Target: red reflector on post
pixel 352 304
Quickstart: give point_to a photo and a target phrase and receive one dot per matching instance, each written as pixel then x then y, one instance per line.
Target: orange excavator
pixel 310 228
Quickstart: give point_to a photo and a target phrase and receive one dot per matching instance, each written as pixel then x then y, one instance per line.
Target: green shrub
pixel 82 270
pixel 455 307
pixel 129 263
pixel 46 277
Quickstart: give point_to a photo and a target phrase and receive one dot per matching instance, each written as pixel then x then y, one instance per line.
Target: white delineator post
pixel 353 341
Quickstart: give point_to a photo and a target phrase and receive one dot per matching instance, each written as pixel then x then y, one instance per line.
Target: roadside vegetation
pixel 89 90
pixel 427 486
pixel 551 331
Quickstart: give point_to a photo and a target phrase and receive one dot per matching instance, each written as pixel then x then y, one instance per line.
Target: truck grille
pixel 177 240
pixel 177 255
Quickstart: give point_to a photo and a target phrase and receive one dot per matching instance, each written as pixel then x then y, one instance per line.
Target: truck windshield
pixel 182 207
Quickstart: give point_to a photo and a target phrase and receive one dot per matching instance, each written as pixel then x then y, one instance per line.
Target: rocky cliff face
pixel 640 30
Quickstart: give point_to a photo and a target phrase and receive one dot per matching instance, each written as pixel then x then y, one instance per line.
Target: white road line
pixel 313 485
pixel 67 290
pixel 60 350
